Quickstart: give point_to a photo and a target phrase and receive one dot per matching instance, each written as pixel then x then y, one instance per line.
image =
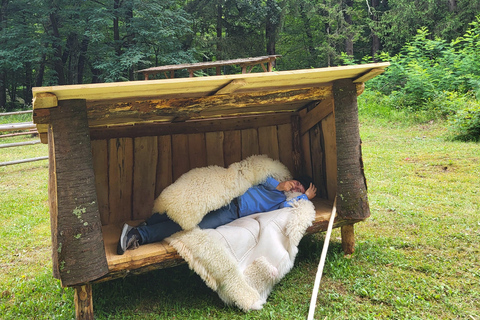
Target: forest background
pixel 433 45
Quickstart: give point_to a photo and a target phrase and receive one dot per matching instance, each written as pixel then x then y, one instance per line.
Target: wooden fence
pixel 17 129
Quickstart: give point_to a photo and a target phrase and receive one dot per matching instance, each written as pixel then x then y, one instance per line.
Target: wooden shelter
pixel 114 147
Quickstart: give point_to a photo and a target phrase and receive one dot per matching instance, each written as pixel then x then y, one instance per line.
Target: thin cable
pixel 318 277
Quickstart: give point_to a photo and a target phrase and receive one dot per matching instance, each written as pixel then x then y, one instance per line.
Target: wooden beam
pixel 232 86
pixel 317 114
pixel 197 126
pixel 45 100
pixel 216 105
pixel 369 75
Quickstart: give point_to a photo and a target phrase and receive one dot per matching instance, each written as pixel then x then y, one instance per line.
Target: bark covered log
pixel 352 201
pixel 77 242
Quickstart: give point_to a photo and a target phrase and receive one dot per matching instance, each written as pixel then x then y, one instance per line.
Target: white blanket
pixel 244 259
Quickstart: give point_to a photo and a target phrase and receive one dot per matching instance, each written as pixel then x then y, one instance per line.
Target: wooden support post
pixel 83 302
pixel 351 183
pixel 77 242
pixel 352 201
pixel 348 239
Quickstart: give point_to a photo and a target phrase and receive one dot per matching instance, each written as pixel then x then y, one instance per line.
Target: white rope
pixel 318 277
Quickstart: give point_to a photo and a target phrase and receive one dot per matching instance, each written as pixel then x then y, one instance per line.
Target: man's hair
pixel 305 181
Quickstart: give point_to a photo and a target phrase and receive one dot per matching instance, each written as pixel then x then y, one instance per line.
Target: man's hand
pixel 285 186
pixel 311 191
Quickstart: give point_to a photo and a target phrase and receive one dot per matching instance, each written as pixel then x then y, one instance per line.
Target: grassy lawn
pixel 417 257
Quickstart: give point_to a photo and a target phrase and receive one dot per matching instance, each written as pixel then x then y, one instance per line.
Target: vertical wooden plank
pixel 307 160
pixel 80 252
pixel 268 141
pixel 180 159
pixel 249 143
pixel 297 154
pixel 318 159
pixel 52 199
pixel 197 150
pixel 164 165
pixel 120 176
pixel 329 137
pixel 214 147
pixel 100 166
pixel 144 176
pixel 232 146
pixel 285 147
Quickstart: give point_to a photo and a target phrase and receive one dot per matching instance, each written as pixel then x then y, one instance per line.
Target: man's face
pixel 297 187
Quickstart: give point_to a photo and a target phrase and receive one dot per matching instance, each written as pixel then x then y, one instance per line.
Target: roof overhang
pixel 181 99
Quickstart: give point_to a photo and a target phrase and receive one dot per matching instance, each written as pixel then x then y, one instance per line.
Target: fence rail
pixel 22 127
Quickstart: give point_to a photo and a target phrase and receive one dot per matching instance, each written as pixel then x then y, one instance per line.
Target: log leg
pixel 348 239
pixel 83 302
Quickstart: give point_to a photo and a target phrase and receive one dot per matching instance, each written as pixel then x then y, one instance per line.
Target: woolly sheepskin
pixel 202 190
pixel 244 259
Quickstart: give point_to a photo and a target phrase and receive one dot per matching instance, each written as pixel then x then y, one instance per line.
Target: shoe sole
pixel 122 247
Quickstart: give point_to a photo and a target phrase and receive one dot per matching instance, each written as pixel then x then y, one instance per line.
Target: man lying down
pixel 264 197
pixel 238 228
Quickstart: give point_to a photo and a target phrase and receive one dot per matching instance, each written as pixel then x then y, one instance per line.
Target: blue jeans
pixel 160 226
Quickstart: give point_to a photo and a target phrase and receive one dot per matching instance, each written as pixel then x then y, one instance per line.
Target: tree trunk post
pixel 83 302
pixel 77 243
pixel 352 201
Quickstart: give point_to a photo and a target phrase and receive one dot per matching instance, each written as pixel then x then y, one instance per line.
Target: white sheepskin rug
pixel 244 259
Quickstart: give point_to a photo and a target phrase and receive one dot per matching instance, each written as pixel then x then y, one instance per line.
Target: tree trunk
pixel 3 76
pixel 41 71
pixel 57 54
pixel 28 84
pixel 375 38
pixel 77 242
pixel 116 29
pixel 82 59
pixel 219 30
pixel 452 5
pixel 308 33
pixel 3 89
pixel 349 22
pixel 352 201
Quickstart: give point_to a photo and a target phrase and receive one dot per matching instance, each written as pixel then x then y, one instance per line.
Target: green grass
pixel 416 257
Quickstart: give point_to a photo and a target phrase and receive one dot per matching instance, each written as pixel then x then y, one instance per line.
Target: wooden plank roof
pixel 181 99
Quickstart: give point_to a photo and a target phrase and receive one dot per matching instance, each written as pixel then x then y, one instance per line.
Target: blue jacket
pixel 264 197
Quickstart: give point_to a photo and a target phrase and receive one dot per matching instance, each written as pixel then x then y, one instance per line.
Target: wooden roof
pixel 181 99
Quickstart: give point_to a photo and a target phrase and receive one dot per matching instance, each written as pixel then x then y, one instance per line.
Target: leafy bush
pixel 433 79
pixel 465 125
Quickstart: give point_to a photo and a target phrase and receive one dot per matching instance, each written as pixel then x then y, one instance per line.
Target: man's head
pixel 305 182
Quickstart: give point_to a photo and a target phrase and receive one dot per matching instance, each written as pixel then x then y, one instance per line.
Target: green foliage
pixel 465 125
pixel 433 79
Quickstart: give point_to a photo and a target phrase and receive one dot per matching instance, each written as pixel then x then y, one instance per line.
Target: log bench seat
pixel 162 255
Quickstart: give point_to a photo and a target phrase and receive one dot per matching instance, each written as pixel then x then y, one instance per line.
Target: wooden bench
pixel 246 64
pixel 114 147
